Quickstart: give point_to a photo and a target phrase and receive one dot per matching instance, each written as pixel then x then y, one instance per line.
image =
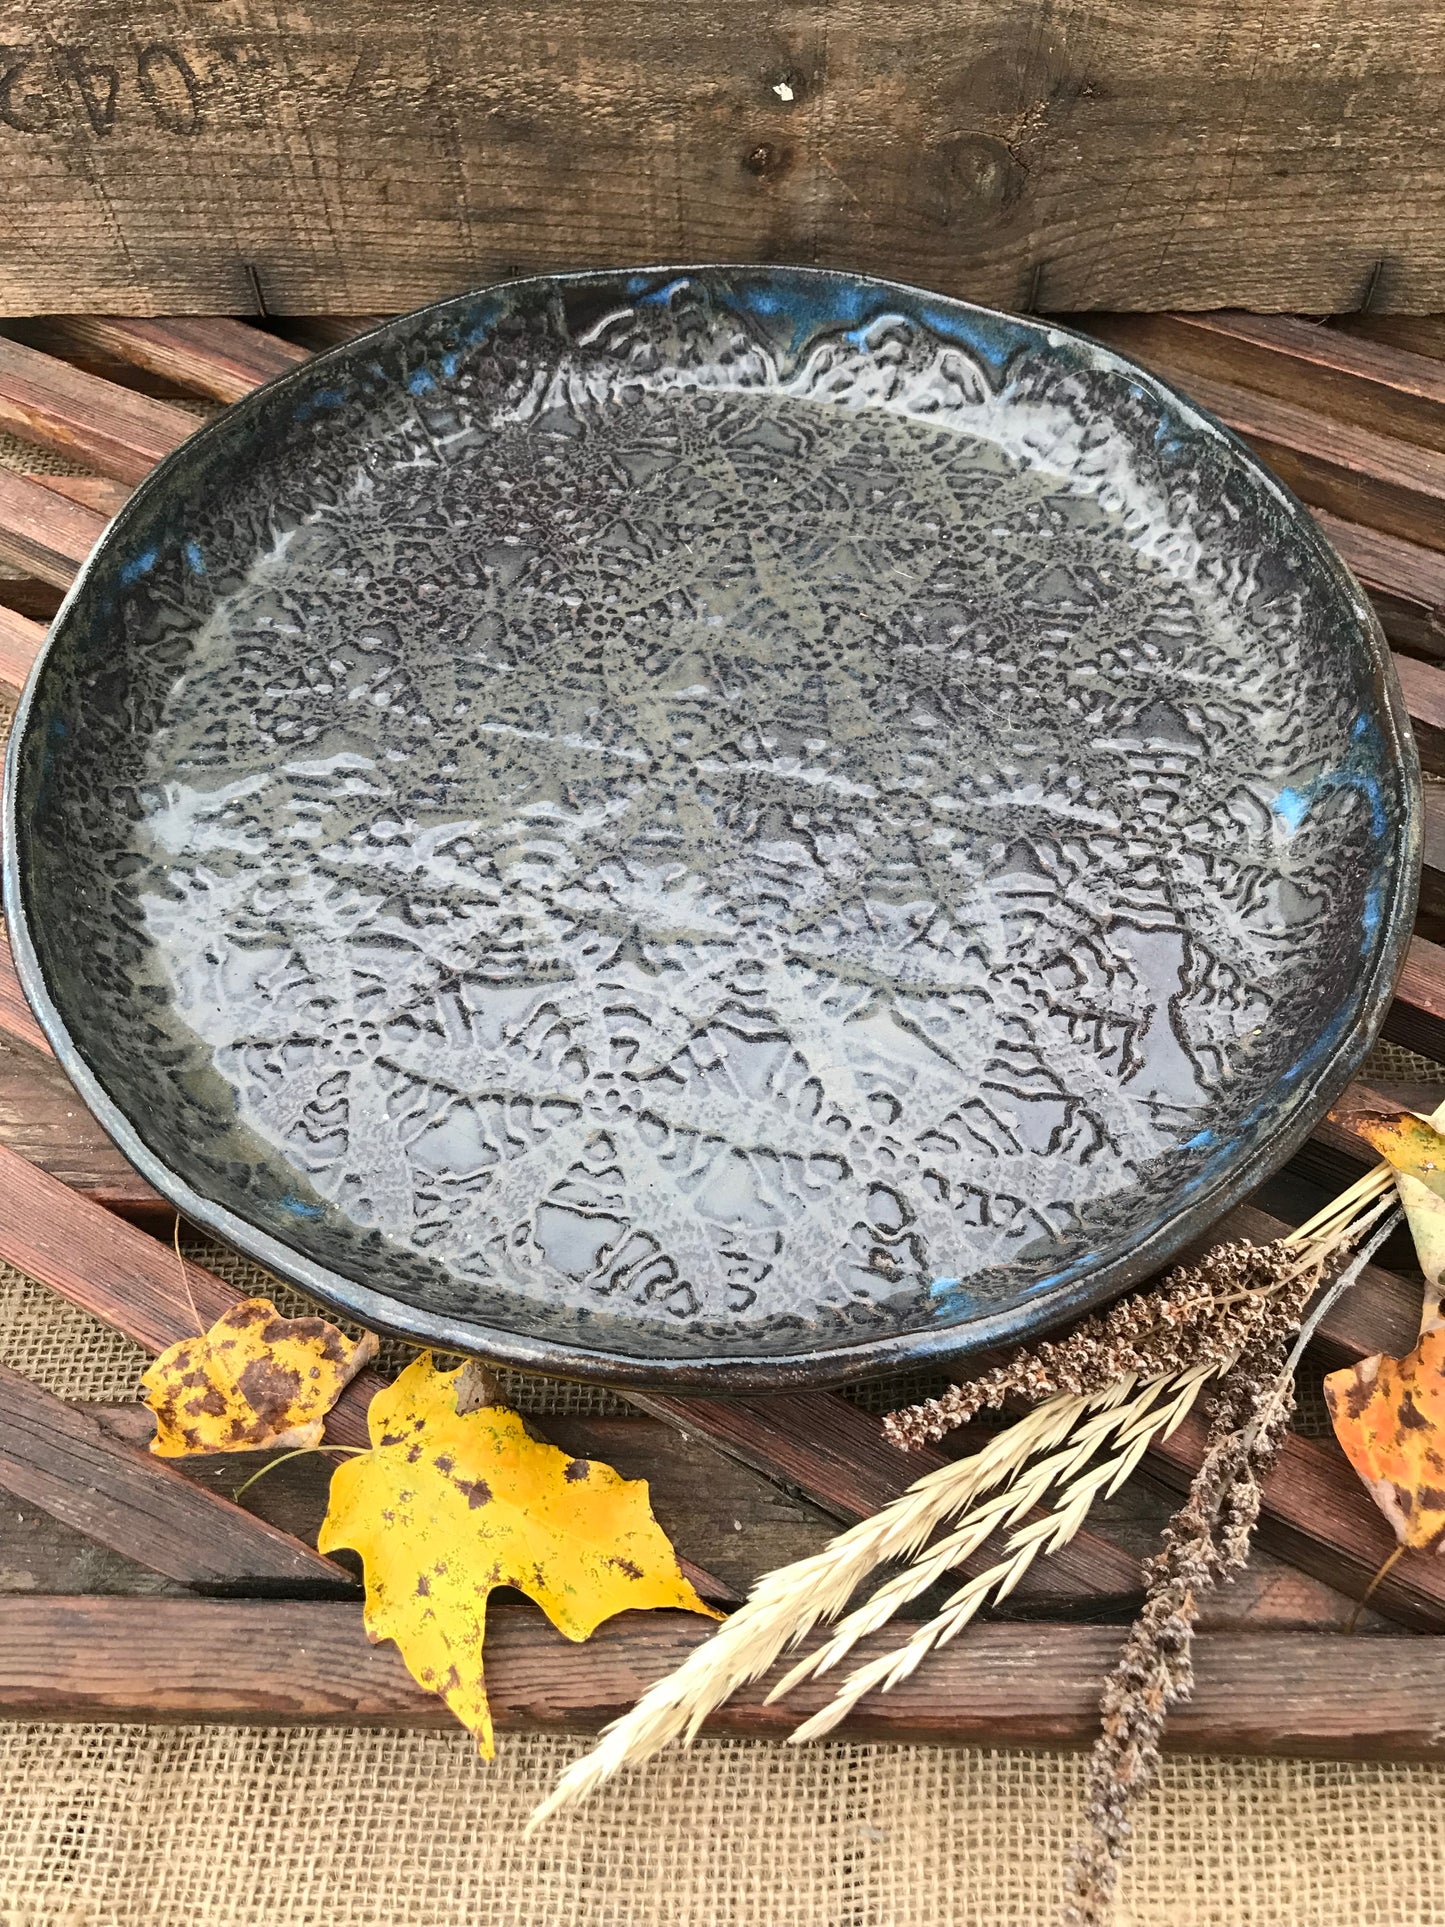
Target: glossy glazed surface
pixel 746 824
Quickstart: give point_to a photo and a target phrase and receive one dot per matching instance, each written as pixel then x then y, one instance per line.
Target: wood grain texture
pixel 96 492
pixel 17 1019
pixel 837 1455
pixel 1358 474
pixel 1318 1515
pixel 43 533
pixel 44 1122
pixel 20 644
pixel 122 434
pixel 1423 685
pixel 1338 376
pixel 209 355
pixel 345 158
pixel 1430 915
pixel 113 1269
pixel 736 1521
pixel 1405 583
pixel 294 1661
pixel 1416 1019
pixel 62 1460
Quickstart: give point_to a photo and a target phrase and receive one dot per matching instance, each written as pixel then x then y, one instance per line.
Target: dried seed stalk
pixel 785 1605
pixel 1205 1543
pixel 1201 1314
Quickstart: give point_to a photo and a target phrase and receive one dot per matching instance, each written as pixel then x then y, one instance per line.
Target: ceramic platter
pixel 732 826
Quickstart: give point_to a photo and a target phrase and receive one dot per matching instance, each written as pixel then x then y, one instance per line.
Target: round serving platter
pixel 731 826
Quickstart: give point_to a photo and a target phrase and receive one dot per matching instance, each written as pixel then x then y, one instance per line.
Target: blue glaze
pixel 362 1259
pixel 299 1208
pixel 322 399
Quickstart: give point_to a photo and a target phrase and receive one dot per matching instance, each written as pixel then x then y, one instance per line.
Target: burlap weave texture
pixel 236 1827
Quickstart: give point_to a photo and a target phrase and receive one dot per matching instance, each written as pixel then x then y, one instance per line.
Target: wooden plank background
pixel 175 156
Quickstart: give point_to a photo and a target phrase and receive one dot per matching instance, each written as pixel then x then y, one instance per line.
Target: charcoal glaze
pixel 732 826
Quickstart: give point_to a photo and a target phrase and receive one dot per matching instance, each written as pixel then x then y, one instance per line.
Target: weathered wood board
pixel 176 156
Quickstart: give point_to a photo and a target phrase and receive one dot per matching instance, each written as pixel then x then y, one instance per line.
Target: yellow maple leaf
pixel 255 1381
pixel 447 1505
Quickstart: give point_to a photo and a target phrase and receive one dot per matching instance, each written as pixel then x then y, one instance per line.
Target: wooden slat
pixel 1372 384
pixel 1424 690
pixel 1417 1017
pixel 96 492
pixel 826 1446
pixel 213 355
pixel 61 1459
pixel 17 1020
pixel 1405 583
pixel 1417 334
pixel 1355 473
pixel 122 434
pixel 1430 917
pixel 359 157
pixel 737 1521
pixel 20 643
pixel 309 1662
pixel 837 1455
pixel 44 1122
pixel 44 533
pixel 1320 1517
pixel 120 1273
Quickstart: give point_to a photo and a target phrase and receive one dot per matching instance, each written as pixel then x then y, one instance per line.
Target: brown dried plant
pixel 1104 1401
pixel 1205 1544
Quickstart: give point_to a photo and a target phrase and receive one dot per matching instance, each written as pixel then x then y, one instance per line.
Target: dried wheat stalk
pixel 1154 1411
pixel 785 1605
pixel 1159 1415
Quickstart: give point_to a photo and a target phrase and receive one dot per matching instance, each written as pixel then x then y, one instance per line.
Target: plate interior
pixel 744 817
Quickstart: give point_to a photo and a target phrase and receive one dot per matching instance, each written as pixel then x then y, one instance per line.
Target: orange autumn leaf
pixel 1389 1415
pixel 447 1506
pixel 255 1381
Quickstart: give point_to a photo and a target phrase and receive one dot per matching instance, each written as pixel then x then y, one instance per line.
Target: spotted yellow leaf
pixel 447 1505
pixel 254 1381
pixel 1389 1416
pixel 1417 1152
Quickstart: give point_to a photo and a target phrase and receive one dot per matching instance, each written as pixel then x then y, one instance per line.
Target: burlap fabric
pixel 227 1827
pixel 120 1826
pixel 115 1826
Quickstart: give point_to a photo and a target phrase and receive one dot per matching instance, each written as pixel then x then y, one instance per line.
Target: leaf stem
pixel 301 1452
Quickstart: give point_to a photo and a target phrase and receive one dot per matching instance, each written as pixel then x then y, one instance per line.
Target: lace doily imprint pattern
pixel 630 823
